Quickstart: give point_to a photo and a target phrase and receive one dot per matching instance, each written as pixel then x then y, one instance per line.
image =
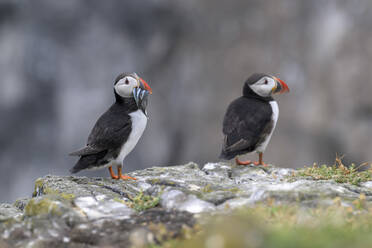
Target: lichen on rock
pixel 42 206
pixel 161 204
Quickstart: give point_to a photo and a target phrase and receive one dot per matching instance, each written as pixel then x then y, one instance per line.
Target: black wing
pixel 245 122
pixel 110 132
pixel 87 150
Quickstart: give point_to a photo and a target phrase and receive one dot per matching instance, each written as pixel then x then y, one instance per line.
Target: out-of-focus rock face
pixel 162 204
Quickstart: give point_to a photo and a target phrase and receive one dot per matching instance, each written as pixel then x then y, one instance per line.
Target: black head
pixel 263 86
pixel 125 84
pixel 130 87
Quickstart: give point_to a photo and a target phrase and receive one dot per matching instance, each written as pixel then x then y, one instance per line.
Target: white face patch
pixel 125 86
pixel 264 86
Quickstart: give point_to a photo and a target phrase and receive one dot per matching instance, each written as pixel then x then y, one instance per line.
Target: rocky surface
pixel 163 203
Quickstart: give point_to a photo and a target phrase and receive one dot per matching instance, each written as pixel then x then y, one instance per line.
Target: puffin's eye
pixel 126 81
pixel 266 82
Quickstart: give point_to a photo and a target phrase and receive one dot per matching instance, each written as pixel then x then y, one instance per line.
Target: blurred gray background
pixel 59 60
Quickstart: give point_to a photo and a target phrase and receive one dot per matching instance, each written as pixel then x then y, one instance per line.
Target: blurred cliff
pixel 59 59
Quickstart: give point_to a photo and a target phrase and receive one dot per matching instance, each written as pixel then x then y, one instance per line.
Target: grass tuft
pixel 338 172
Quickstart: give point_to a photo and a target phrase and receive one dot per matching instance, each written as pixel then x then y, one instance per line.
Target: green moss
pixel 173 243
pixel 38 187
pixel 153 180
pixel 68 197
pixel 161 182
pixel 337 172
pixel 41 189
pixel 207 189
pixel 41 207
pixel 62 196
pixel 120 200
pixel 142 202
pixel 233 190
pixel 273 226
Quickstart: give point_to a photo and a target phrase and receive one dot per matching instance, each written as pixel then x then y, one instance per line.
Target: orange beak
pixel 145 86
pixel 280 86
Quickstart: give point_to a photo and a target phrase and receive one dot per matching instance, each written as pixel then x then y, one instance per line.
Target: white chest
pixel 275 115
pixel 139 122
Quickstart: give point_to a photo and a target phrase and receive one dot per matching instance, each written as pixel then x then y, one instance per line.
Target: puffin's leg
pixel 238 162
pixel 113 176
pixel 124 177
pixel 260 160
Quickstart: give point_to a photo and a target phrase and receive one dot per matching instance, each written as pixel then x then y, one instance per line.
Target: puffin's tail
pixel 226 156
pixel 80 165
pixel 88 161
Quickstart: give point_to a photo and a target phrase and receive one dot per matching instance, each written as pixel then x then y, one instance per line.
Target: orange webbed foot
pixel 125 177
pixel 248 162
pixel 239 162
pixel 258 163
pixel 120 175
pixel 260 160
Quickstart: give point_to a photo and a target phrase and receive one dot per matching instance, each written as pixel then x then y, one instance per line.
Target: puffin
pixel 118 130
pixel 250 120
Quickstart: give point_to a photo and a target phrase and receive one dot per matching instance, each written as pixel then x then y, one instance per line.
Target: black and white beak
pixel 141 94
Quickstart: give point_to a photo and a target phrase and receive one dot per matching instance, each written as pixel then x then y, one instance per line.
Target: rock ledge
pixel 162 204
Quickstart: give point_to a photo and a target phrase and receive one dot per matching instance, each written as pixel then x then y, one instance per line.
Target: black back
pixel 108 135
pixel 248 120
